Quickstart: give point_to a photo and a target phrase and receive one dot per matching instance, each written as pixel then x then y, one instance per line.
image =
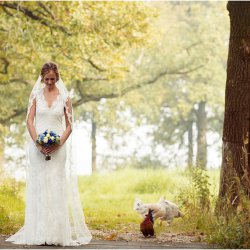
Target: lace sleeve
pixel 31 103
pixel 69 112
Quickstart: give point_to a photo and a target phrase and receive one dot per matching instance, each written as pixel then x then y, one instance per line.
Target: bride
pixel 53 213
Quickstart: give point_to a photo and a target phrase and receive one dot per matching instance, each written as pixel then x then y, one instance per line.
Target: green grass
pixel 108 199
pixel 11 206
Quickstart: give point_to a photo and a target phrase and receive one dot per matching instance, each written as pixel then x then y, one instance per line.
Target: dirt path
pixel 112 240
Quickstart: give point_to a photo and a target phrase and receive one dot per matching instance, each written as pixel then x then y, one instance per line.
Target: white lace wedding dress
pixel 48 216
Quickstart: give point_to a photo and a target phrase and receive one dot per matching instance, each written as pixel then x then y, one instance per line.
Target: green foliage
pixel 201 184
pixel 11 206
pixel 199 195
pixel 150 185
pixel 196 200
pixel 115 192
pixel 145 162
pixel 96 61
pixel 88 40
pixel 230 234
pixel 231 227
pixel 108 199
pixel 187 65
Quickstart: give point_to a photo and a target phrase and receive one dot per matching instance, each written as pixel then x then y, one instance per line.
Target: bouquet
pixel 47 139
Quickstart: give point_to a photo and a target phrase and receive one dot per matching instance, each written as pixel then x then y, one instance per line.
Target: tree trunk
pixel 236 147
pixel 93 140
pixel 190 144
pixel 201 157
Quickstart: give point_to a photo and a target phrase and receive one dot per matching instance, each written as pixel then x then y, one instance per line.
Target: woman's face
pixel 50 79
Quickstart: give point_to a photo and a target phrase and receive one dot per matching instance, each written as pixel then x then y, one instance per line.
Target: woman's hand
pixel 51 149
pixel 41 148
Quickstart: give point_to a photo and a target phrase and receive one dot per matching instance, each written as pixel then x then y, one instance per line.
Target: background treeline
pixel 128 65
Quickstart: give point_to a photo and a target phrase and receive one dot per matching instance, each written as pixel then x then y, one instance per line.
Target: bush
pixel 195 199
pixel 231 228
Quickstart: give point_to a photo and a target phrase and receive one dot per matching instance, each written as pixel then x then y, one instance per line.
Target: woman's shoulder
pixel 39 93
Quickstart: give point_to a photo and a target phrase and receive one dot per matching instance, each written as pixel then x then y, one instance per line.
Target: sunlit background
pixel 147 81
pixel 175 57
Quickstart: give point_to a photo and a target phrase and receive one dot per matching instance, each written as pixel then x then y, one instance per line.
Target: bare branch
pixel 88 98
pixel 7 12
pixel 78 87
pixel 46 9
pixel 2 29
pixel 176 72
pixel 94 65
pixel 95 79
pixel 19 80
pixel 30 14
pixel 16 113
pixel 192 45
pixel 6 65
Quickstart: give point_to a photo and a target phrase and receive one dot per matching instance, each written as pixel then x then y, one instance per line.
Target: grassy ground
pixel 108 199
pixel 12 206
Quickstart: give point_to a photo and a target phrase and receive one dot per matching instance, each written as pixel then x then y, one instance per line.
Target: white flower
pixel 45 140
pixel 48 135
pixel 52 138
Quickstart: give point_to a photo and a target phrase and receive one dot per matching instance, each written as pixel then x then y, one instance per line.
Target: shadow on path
pixel 113 244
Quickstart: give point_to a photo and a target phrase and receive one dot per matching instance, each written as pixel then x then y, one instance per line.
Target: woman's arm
pixel 30 121
pixel 31 127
